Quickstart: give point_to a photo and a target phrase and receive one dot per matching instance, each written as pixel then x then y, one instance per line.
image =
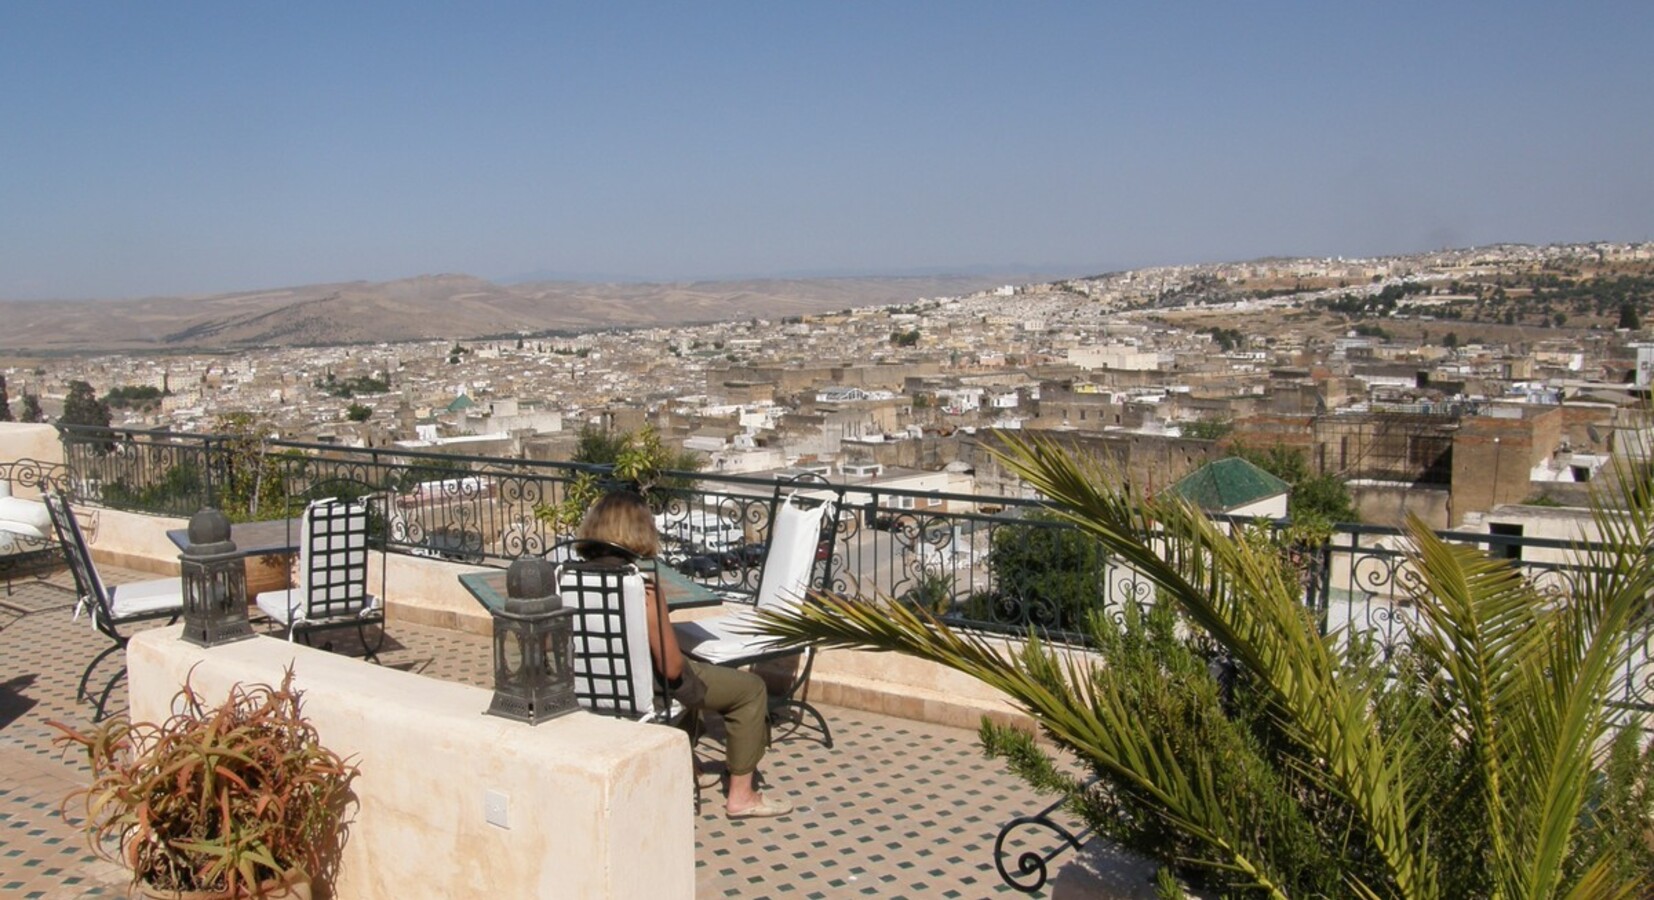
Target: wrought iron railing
pixel 989 563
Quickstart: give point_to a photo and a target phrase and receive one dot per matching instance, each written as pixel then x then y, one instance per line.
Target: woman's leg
pixel 741 698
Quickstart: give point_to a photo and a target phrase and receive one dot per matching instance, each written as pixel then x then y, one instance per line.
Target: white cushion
pixel 792 555
pixel 23 529
pixel 146 596
pixel 282 605
pixel 723 638
pixel 592 622
pixel 26 512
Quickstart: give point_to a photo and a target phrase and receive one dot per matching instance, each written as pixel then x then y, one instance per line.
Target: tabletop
pixel 253 538
pixel 681 592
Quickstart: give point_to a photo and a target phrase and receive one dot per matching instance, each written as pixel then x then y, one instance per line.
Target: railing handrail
pixel 995 571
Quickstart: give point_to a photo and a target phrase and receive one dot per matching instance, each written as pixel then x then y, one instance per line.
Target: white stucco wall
pixel 1268 507
pixel 21 441
pixel 597 807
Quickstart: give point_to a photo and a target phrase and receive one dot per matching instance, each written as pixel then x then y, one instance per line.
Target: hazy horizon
pixel 170 150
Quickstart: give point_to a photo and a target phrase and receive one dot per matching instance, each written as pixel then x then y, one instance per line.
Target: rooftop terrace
pixel 903 805
pixel 898 808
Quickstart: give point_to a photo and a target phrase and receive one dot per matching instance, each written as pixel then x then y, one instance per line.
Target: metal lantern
pixel 533 647
pixel 215 583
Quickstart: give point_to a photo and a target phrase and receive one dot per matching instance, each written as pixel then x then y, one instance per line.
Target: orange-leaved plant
pixel 220 797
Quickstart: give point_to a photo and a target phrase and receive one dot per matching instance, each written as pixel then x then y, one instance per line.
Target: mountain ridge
pixel 442 306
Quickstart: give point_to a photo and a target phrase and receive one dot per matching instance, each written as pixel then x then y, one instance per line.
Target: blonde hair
pixel 623 519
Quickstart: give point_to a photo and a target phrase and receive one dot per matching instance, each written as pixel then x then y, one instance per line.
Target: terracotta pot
pixel 268 573
pixel 294 887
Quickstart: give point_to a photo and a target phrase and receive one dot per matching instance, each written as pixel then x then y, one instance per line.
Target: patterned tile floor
pixel 896 809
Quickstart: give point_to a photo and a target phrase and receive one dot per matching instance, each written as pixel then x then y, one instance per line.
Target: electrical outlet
pixel 494 805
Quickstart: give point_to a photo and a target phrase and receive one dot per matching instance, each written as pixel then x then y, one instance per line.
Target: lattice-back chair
pixel 798 525
pixel 111 608
pixel 613 673
pixel 331 587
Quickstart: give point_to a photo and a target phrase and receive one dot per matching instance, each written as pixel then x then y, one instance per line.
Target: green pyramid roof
pixel 461 402
pixel 1228 484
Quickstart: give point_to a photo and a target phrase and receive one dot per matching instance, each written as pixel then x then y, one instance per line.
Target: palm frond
pixel 1240 596
pixel 1055 688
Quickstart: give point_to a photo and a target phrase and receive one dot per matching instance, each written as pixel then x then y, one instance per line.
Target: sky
pixel 180 148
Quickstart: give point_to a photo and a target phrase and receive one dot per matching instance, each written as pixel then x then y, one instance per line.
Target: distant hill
pixel 441 307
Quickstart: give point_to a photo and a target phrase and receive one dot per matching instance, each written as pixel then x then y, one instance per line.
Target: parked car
pixel 753 554
pixel 700 566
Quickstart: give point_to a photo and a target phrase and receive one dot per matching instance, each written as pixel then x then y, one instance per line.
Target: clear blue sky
pixel 174 148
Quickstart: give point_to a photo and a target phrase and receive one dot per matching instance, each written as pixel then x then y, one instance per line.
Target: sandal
pixel 766 807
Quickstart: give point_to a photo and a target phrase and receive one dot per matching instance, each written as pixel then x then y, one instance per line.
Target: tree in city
pixel 1251 755
pixel 5 401
pixel 31 411
pixel 252 482
pixel 82 407
pixel 134 396
pixel 1316 501
pixel 1207 429
pixel 639 460
pixel 357 412
pixel 1629 319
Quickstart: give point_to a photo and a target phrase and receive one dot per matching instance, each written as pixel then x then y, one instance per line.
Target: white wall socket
pixel 494 806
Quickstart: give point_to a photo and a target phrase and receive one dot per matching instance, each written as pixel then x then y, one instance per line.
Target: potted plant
pixel 238 799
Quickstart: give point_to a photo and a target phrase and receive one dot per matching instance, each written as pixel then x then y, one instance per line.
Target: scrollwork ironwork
pixel 1032 873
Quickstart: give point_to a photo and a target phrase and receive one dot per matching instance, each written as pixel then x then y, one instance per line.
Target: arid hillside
pixel 432 307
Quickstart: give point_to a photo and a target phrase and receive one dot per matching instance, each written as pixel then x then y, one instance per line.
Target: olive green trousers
pixel 741 698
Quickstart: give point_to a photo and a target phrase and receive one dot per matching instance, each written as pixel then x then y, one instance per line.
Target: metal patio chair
pixel 331 590
pixel 111 608
pixel 613 674
pixel 790 563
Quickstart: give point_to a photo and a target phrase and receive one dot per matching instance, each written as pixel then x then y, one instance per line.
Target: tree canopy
pixel 82 407
pixel 1316 501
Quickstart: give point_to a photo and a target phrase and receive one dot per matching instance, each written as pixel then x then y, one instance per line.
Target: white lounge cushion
pixel 146 596
pixel 592 631
pixel 11 527
pixel 792 555
pixel 24 517
pixel 281 605
pixel 723 638
pixel 787 570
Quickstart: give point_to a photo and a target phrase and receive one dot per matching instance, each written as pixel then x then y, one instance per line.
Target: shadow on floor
pixel 13 703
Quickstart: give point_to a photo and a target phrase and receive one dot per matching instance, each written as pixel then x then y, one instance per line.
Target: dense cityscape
pixel 1374 369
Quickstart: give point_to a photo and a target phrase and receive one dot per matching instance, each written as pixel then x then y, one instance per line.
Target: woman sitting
pixel 624 520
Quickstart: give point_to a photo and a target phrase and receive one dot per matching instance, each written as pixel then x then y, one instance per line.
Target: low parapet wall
pixel 595 807
pixel 22 440
pixel 427 591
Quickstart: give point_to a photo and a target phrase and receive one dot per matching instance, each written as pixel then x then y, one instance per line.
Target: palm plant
pixel 1251 753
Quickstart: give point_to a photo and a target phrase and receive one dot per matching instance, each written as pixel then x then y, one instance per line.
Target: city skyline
pixel 183 150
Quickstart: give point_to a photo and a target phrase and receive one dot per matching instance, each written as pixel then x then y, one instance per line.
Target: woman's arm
pixel 663 641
